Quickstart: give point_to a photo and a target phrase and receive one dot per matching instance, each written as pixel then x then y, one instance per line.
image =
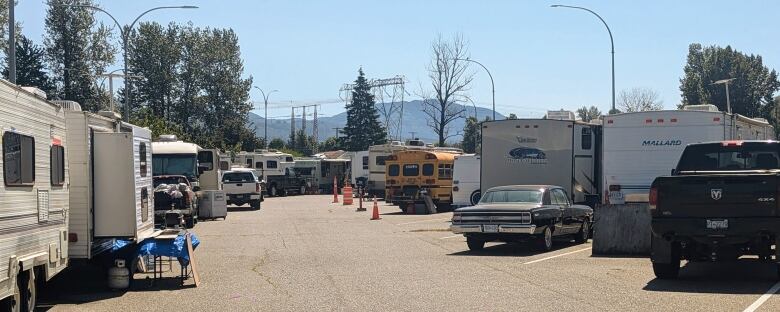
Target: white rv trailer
pixel 544 152
pixel 111 190
pixel 465 180
pixel 358 166
pixel 33 193
pixel 638 147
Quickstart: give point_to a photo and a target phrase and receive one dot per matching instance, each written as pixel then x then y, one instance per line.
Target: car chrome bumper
pixel 502 228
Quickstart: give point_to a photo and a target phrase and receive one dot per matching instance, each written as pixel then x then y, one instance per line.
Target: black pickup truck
pixel 721 203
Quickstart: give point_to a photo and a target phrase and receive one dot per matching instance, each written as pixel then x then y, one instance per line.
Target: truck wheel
pixel 303 190
pixel 189 222
pixel 475 244
pixel 544 241
pixel 583 234
pixel 475 197
pixel 672 269
pixel 27 291
pixel 255 204
pixel 273 191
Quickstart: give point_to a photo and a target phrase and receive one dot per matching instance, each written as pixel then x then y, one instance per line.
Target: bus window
pixel 411 170
pixel 393 170
pixel 428 170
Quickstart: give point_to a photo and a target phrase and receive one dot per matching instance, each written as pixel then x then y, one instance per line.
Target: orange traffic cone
pixel 335 191
pixel 375 215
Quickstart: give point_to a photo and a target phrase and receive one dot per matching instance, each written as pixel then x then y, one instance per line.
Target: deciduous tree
pixel 587 114
pixel 638 100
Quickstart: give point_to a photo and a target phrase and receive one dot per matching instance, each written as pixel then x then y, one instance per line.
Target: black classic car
pixel 534 213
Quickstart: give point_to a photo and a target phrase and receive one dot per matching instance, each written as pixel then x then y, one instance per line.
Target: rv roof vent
pixel 415 142
pixel 167 138
pixel 702 107
pixel 68 105
pixel 110 114
pixel 37 92
pixel 560 115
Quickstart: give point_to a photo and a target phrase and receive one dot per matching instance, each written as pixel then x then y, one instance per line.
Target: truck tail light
pixel 257 187
pixel 653 198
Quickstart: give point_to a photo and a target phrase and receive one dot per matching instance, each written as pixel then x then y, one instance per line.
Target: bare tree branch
pixel 639 100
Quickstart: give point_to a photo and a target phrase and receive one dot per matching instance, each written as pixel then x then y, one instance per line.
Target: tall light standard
pixel 493 85
pixel 124 34
pixel 611 41
pixel 265 111
pixel 728 99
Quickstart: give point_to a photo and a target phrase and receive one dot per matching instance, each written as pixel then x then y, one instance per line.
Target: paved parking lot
pixel 304 253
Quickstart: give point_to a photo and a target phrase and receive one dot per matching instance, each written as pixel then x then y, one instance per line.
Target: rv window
pixel 393 170
pixel 428 170
pixel 308 171
pixel 206 159
pixel 380 160
pixel 57 165
pixel 587 138
pixel 18 159
pixel 259 165
pixel 249 162
pixel 224 165
pixel 142 156
pixel 411 170
pixel 365 162
pixel 144 204
pixel 272 164
pixel 288 159
pixel 445 171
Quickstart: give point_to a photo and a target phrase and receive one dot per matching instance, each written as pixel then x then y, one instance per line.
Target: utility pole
pixel 728 99
pixel 292 126
pixel 111 77
pixel 337 131
pixel 315 130
pixel 303 121
pixel 412 132
pixel 11 43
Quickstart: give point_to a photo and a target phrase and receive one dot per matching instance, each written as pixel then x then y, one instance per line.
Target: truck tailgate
pixel 238 187
pixel 718 196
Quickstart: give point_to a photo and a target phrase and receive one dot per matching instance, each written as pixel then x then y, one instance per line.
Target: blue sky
pixel 541 58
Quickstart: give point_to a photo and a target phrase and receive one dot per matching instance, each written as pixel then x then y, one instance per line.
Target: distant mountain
pixel 414 120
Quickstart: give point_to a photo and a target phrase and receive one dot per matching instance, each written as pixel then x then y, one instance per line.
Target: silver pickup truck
pixel 242 187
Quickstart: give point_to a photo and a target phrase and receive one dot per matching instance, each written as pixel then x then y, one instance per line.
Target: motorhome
pixel 172 157
pixel 414 173
pixel 277 169
pixel 640 146
pixel 110 179
pixel 545 152
pixel 34 194
pixel 465 180
pixel 359 168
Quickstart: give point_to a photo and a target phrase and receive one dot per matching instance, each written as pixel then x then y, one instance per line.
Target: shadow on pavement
pixel 741 277
pixel 513 250
pixel 241 209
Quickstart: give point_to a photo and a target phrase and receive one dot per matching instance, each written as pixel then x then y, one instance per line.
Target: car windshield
pixel 175 164
pixel 238 177
pixel 512 196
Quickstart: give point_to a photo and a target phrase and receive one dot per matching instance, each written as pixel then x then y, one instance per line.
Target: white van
pixel 465 180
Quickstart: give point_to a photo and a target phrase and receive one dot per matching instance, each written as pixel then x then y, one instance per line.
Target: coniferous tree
pixel 30 68
pixel 470 135
pixel 363 128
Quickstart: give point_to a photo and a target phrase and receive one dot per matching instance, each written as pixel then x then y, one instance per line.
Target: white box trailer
pixel 465 180
pixel 544 152
pixel 640 146
pixel 111 183
pixel 34 191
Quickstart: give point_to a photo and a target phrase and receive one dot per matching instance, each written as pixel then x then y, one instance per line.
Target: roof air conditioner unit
pixel 37 92
pixel 68 105
pixel 110 115
pixel 167 138
pixel 702 108
pixel 560 115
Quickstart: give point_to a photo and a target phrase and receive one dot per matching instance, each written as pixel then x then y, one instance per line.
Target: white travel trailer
pixel 33 193
pixel 465 180
pixel 358 166
pixel 542 151
pixel 638 147
pixel 111 191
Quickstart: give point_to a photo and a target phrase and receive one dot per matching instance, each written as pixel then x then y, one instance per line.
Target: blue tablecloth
pixel 176 248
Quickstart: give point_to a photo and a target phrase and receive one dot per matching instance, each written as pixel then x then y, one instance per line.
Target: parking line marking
pixel 421 221
pixel 763 298
pixel 556 256
pixel 453 236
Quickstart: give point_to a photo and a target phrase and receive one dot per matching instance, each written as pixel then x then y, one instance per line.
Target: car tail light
pixel 653 198
pixel 73 237
pixel 614 187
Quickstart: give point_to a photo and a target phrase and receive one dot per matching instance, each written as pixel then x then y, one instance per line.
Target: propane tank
pixel 119 276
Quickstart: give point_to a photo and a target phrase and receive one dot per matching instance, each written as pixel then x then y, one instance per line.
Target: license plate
pixel 490 228
pixel 717 224
pixel 240 196
pixel 616 198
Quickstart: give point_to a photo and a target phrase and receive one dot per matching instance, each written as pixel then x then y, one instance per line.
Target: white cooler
pixel 213 204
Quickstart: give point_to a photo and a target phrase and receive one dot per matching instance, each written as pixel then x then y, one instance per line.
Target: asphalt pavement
pixel 303 253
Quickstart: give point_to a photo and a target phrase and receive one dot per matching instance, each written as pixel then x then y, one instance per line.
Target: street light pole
pixel 492 84
pixel 611 41
pixel 728 99
pixel 265 111
pixel 123 34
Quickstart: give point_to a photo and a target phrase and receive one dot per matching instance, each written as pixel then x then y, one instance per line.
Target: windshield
pixel 175 164
pixel 238 177
pixel 512 196
pixel 717 157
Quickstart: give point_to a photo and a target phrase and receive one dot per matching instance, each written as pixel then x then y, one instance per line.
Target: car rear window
pixel 238 177
pixel 725 157
pixel 511 196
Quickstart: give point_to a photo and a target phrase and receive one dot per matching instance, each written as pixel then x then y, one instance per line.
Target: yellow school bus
pixel 411 172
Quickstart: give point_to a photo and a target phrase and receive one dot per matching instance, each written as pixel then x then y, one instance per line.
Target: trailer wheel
pixel 27 291
pixel 475 197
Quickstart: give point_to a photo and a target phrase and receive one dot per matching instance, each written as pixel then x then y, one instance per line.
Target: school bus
pixel 411 172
